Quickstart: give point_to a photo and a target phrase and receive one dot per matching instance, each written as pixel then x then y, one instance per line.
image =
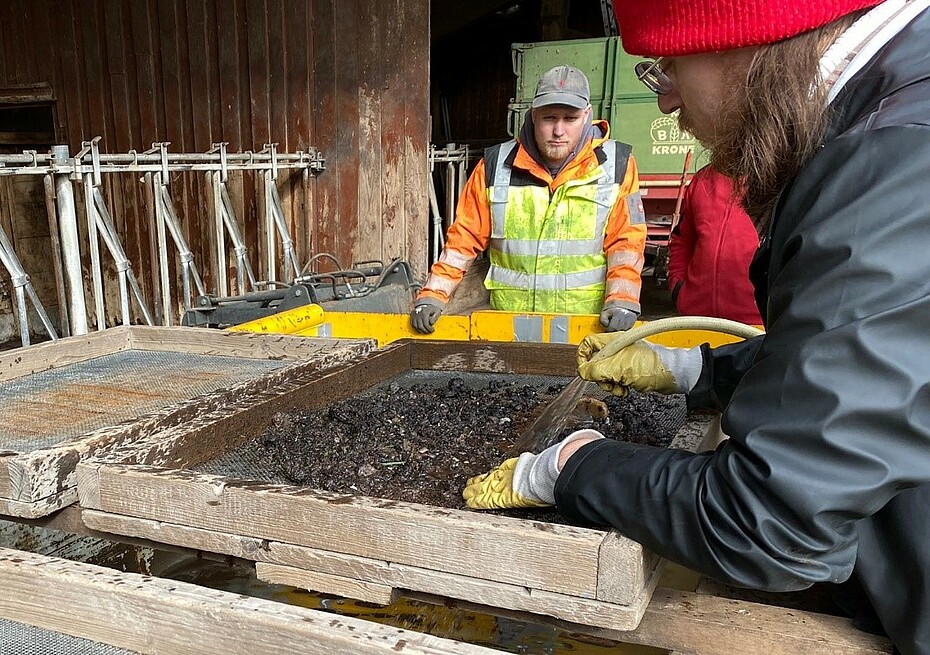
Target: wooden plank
pixel 202 341
pixel 203 99
pixel 415 68
pixel 371 63
pixel 45 472
pixel 64 352
pixel 496 357
pixel 393 129
pixel 323 63
pixel 146 614
pixel 698 623
pixel 126 204
pixel 818 598
pixel 100 113
pixel 297 77
pixel 258 55
pixel 326 583
pixel 624 568
pixel 143 24
pixel 5 459
pixel 345 149
pixel 40 508
pixel 67 523
pixel 170 58
pixel 557 558
pixel 407 579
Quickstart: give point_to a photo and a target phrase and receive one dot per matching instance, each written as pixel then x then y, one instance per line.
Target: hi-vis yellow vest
pixel 547 253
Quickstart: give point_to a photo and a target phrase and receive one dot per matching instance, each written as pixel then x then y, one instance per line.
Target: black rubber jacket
pixel 827 471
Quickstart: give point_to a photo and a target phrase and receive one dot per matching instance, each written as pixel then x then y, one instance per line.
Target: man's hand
pixel 642 366
pixel 424 317
pixel 617 319
pixel 524 481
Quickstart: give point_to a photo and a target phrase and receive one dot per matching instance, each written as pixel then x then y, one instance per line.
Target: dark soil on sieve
pixel 420 442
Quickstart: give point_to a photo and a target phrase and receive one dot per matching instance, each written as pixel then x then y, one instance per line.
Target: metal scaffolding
pixel 453 175
pixel 88 168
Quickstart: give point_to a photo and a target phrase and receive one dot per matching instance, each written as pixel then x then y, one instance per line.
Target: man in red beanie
pixel 822 108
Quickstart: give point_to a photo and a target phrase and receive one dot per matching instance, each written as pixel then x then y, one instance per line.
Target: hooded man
pixel 559 210
pixel 822 108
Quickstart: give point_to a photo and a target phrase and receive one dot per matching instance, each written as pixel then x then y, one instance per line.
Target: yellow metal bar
pixel 500 326
pixel 298 321
pixel 310 321
pixel 387 328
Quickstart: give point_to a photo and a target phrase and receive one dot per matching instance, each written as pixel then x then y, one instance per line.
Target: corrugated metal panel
pixel 347 76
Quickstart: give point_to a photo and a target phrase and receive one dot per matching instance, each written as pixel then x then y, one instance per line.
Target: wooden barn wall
pixel 349 77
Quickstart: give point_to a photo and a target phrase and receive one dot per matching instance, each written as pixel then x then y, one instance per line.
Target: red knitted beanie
pixel 667 28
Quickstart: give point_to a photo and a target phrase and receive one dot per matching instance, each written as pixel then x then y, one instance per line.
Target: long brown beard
pixel 769 132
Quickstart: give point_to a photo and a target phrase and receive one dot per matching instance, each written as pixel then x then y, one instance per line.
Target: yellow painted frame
pixel 312 321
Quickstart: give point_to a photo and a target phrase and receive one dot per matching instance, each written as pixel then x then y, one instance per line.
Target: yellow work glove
pixel 642 366
pixel 524 481
pixel 495 490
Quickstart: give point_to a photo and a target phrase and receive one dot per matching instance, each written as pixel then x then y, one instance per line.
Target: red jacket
pixel 710 250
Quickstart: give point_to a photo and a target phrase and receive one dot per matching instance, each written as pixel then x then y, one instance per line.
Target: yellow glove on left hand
pixel 524 481
pixel 495 490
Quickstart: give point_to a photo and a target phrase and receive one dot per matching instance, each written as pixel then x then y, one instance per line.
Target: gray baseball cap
pixel 562 85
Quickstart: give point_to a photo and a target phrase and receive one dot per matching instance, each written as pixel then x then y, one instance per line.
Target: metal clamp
pixel 77 160
pixel 163 151
pixel 273 149
pixel 95 160
pixel 220 147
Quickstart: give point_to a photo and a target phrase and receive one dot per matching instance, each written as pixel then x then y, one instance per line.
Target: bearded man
pixel 822 109
pixel 559 211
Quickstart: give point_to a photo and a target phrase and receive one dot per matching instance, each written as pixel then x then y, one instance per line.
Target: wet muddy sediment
pixel 421 442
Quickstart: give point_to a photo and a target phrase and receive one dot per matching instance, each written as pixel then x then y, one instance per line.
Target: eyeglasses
pixel 651 74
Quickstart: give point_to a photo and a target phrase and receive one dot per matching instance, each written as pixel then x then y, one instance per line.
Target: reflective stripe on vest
pixel 547 252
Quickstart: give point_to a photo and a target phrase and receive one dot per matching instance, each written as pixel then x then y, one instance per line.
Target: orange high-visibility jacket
pixel 470 233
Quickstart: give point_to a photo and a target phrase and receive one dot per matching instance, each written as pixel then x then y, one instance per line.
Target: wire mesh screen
pixel 40 410
pixel 246 462
pixel 22 639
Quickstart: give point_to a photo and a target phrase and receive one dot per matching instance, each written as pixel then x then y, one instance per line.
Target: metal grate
pixel 21 639
pixel 40 410
pixel 244 463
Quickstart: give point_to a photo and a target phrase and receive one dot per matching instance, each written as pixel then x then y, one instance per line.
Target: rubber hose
pixel 673 324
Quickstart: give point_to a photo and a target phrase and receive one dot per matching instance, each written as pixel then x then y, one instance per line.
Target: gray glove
pixel 534 476
pixel 617 319
pixel 524 481
pixel 424 317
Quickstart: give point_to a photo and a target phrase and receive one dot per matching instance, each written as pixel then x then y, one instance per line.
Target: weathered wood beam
pixel 557 558
pixel 329 572
pixel 697 624
pixel 146 614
